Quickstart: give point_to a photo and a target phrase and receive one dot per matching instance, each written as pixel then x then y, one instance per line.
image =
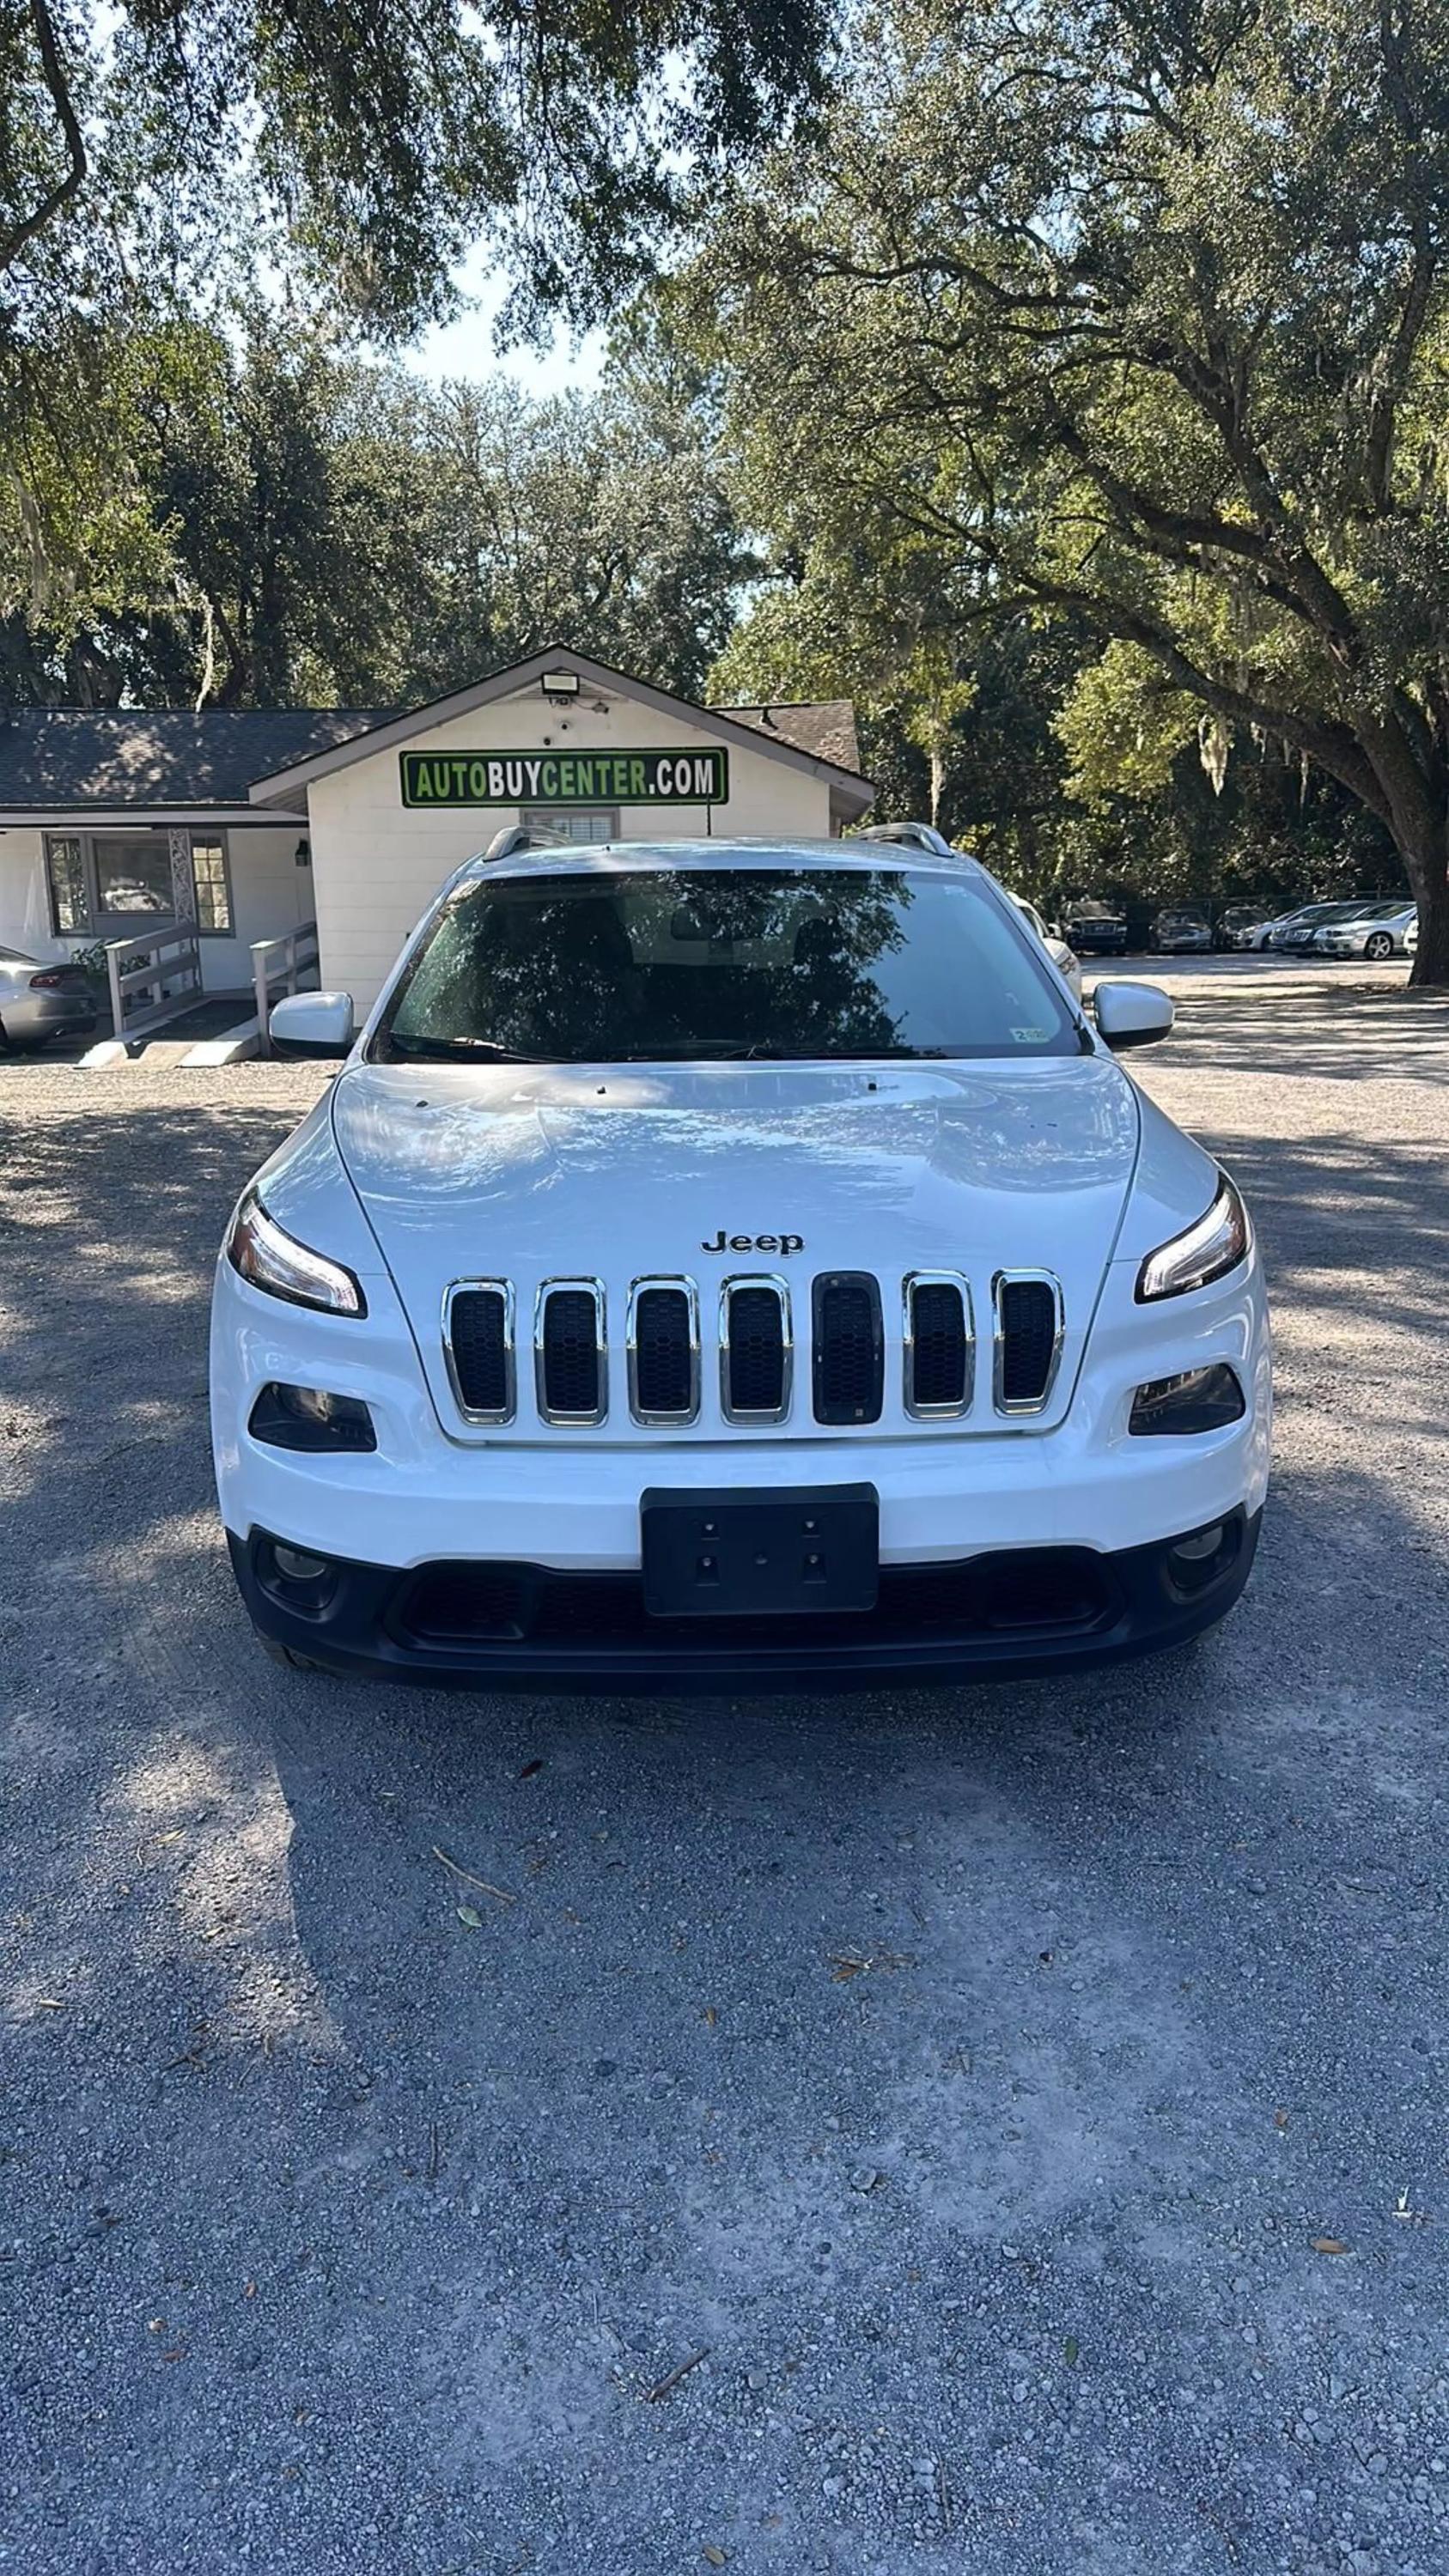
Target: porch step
pixel 157 1053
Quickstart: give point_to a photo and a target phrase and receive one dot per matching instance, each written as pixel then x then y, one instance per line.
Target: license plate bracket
pixel 759 1551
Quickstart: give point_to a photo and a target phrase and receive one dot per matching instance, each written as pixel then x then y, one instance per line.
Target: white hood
pixel 531 1174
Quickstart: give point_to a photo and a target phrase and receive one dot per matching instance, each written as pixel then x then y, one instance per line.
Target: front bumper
pixel 465 1625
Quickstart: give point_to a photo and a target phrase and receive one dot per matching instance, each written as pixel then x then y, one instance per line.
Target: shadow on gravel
pixel 438 2074
pixel 1316 1035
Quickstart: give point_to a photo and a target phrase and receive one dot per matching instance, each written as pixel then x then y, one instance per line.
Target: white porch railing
pixel 153 977
pixel 280 961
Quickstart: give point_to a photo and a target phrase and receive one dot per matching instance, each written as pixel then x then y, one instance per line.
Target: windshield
pixel 674 964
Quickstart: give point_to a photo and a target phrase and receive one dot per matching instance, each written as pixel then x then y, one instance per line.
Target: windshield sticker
pixel 1031 1037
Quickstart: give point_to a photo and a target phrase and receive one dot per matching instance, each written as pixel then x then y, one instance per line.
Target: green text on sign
pixel 565 777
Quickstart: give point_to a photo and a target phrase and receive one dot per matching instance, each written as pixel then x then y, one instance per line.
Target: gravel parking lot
pixel 1029 2102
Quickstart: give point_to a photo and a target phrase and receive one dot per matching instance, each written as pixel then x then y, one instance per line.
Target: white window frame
pixel 561 814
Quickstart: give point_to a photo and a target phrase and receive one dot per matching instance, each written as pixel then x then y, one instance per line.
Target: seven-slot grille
pixel 756 1348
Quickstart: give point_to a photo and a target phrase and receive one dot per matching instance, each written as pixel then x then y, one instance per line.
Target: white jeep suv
pixel 738 1265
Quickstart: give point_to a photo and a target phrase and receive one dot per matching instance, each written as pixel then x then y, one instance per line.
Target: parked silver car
pixel 1377 931
pixel 42 998
pixel 1295 929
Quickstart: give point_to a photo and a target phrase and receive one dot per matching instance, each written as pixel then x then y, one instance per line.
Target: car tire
pixel 1378 947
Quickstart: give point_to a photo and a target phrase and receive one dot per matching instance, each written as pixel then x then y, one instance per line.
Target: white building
pixel 248 824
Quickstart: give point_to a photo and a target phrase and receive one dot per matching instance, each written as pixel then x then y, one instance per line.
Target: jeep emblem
pixel 755 1243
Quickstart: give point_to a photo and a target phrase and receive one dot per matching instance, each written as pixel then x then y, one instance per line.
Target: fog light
pixel 295 1565
pixel 1205 1399
pixel 1205 1542
pixel 1201 1557
pixel 310 1417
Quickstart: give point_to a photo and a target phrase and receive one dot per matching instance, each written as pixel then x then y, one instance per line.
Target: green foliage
pixel 304 528
pixel 1124 725
pixel 1140 318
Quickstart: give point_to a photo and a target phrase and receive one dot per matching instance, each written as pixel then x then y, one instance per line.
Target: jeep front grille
pixel 756 1350
pixel 569 1351
pixel 663 1347
pixel 857 1376
pixel 847 1348
pixel 1028 1338
pixel 939 1344
pixel 478 1342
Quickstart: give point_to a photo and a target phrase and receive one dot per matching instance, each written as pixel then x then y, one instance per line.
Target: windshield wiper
pixel 454 1050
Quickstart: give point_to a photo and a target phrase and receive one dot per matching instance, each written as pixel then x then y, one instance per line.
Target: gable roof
pixel 826 730
pixel 61 759
pixel 746 728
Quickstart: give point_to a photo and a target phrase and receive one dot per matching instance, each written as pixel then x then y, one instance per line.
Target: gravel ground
pixel 1030 2101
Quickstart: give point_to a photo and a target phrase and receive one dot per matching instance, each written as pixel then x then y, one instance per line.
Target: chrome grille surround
pixel 913 1280
pixel 1020 1405
pixel 779 1288
pixel 593 1289
pixel 502 1288
pixel 685 1288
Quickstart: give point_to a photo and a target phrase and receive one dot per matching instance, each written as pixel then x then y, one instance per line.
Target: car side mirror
pixel 1132 1015
pixel 311 1024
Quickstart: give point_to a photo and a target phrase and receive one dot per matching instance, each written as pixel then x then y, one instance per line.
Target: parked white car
pixel 735 1265
pixel 1378 931
pixel 1065 959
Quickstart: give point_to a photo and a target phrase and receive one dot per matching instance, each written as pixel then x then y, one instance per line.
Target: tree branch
pixel 77 164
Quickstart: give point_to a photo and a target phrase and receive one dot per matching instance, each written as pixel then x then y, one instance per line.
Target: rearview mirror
pixel 311 1024
pixel 1131 1015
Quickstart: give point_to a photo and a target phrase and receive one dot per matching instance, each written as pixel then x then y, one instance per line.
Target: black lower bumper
pixel 485 1626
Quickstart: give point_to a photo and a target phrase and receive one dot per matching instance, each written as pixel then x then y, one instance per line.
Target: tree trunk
pixel 1429 882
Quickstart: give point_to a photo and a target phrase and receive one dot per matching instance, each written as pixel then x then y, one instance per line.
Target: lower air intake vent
pixel 849 1351
pixel 480 1350
pixel 664 1352
pixel 1028 1340
pixel 938 1347
pixel 571 1353
pixel 755 1353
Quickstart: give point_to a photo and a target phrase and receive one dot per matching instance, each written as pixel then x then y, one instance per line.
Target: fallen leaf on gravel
pixel 1329 2245
pixel 1072 2349
pixel 711 2016
pixel 49 2003
pixel 717 2557
pixel 530 1768
pixel 1280 2119
pixel 470 1915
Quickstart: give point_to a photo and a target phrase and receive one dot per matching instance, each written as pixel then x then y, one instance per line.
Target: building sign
pixel 565 777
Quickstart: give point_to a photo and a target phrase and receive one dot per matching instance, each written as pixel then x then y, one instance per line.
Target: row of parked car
pixel 1369 926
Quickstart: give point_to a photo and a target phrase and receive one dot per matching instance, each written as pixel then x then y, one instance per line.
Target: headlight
pixel 1217 1243
pixel 272 1260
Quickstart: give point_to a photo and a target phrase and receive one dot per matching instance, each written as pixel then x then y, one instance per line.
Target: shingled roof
pixel 171 759
pixel 59 759
pixel 826 731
